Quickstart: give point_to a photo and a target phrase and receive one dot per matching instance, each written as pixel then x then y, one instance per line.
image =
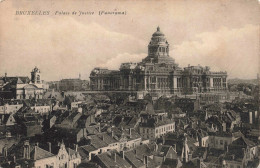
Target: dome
pixel 158 32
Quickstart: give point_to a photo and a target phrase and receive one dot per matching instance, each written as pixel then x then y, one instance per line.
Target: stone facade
pixel 158 73
pixel 22 87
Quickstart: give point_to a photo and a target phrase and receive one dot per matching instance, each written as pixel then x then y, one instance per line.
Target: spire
pixel 158 28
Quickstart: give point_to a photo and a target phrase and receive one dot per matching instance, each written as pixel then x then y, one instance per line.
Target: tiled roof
pixel 71 151
pixel 132 159
pixel 243 142
pixel 40 153
pixel 108 160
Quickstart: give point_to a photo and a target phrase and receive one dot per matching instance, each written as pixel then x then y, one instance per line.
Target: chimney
pixel 76 147
pixel 145 160
pixel 244 151
pixel 189 156
pixel 49 146
pixel 5 150
pixel 112 134
pixel 174 147
pixel 130 132
pixel 115 156
pixel 99 128
pixel 135 152
pixel 227 148
pixel 156 147
pixel 123 154
pixel 35 152
pixel 26 150
pixel 5 76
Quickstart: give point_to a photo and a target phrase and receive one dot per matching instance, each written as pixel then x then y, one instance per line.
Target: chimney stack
pixel 123 154
pixel 115 156
pixel 130 132
pixel 5 150
pixel 35 152
pixel 26 150
pixel 174 147
pixel 5 76
pixel 244 151
pixel 112 134
pixel 146 160
pixel 156 147
pixel 76 147
pixel 227 148
pixel 49 143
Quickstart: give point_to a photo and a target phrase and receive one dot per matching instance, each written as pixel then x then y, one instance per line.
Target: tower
pixel 36 76
pixel 158 49
pixel 158 44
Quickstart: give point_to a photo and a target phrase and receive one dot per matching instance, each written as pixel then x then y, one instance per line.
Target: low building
pixel 10 106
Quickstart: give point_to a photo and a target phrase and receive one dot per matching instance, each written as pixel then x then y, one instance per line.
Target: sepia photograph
pixel 129 84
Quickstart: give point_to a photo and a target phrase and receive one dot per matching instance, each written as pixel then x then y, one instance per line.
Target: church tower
pixel 36 76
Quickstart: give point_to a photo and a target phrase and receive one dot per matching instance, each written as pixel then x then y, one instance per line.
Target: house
pixel 131 158
pixel 7 120
pixel 68 120
pixel 240 153
pixel 112 159
pixel 163 152
pixel 152 127
pixel 68 135
pixel 28 124
pixel 128 138
pixel 85 121
pixel 26 154
pixel 10 106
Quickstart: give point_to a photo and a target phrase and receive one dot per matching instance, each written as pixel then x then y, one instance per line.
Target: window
pixel 221 142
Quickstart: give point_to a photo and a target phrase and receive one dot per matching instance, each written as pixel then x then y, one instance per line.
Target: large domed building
pixel 158 74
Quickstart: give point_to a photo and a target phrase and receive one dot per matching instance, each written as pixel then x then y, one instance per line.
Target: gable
pixel 171 154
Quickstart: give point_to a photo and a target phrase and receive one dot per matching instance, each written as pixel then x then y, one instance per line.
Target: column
pixel 211 82
pixel 156 85
pixel 145 82
pixel 174 82
pixel 221 81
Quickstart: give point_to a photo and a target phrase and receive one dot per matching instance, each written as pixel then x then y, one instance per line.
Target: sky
pixel 222 34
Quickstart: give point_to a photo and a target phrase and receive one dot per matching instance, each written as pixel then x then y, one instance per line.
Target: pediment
pixel 30 86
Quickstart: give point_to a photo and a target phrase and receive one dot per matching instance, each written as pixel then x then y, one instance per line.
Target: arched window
pixel 38 78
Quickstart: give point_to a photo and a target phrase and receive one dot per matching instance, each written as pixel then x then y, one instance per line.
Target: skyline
pixel 223 35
